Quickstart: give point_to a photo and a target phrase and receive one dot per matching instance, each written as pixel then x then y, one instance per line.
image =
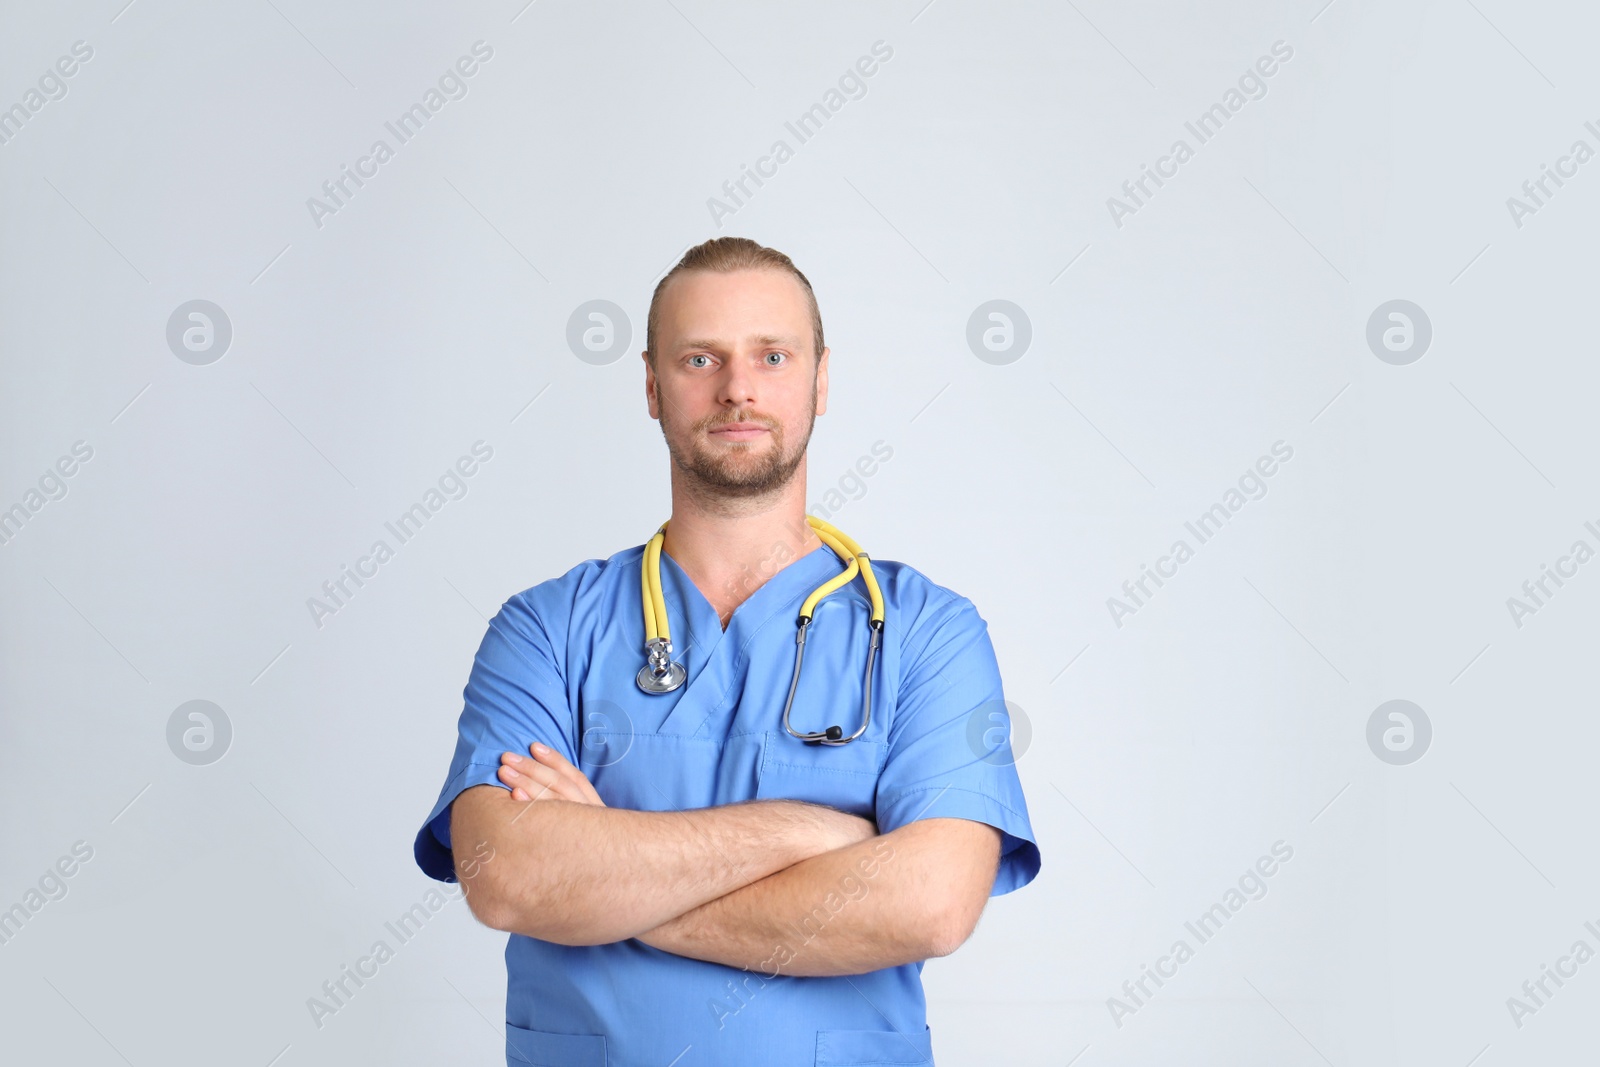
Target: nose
pixel 737 384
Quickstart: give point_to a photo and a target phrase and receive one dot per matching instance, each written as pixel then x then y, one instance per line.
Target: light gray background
pixel 1169 353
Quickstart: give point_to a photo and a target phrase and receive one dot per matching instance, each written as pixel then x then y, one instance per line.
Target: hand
pixel 841 829
pixel 547 776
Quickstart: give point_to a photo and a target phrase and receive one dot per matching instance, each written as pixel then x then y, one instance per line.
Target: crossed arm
pixel 774 885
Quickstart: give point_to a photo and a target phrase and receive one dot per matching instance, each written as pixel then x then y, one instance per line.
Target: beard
pixel 745 468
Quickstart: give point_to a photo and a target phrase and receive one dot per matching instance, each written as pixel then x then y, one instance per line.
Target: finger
pixel 548 786
pixel 529 788
pixel 540 783
pixel 549 757
pixel 548 779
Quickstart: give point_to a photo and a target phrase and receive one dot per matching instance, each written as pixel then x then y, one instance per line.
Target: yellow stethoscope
pixel 661 674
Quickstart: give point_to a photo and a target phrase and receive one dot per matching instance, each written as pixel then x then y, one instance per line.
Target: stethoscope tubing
pixel 662 674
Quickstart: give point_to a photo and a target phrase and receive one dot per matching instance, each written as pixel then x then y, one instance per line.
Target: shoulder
pixel 927 608
pixel 548 607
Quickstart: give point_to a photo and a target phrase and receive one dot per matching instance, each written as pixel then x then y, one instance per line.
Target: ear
pixel 822 383
pixel 650 387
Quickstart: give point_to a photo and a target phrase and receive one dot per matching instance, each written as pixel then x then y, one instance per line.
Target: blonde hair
pixel 724 255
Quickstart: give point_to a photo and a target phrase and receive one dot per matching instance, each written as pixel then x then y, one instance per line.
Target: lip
pixel 739 431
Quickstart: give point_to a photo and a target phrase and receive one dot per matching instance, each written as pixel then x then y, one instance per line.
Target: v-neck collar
pixel 794 581
pixel 713 656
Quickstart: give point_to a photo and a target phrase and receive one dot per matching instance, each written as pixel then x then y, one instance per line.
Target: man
pixel 685 881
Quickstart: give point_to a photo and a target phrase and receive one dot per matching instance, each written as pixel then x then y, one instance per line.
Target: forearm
pixel 580 874
pixel 897 898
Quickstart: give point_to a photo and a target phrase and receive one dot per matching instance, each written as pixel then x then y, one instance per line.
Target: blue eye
pixel 695 357
pixel 781 356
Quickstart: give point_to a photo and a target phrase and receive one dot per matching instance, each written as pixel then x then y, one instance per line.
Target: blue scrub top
pixel 557 666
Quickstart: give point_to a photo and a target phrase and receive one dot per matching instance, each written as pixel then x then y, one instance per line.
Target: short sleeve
pixel 514 696
pixel 950 744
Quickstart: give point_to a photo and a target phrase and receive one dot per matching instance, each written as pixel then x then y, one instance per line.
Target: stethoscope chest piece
pixel 650 682
pixel 660 674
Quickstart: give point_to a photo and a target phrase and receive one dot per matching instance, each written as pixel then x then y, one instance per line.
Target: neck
pixel 730 546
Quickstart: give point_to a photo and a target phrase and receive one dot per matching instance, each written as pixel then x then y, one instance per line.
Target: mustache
pixel 713 424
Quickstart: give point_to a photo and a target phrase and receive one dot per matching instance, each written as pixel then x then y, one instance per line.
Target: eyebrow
pixel 765 339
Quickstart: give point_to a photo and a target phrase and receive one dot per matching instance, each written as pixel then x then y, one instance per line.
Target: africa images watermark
pixel 851 485
pixel 452 85
pixel 1566 967
pixel 1579 154
pixel 52 486
pixel 852 85
pixel 851 889
pixel 1252 882
pixel 338 991
pixel 52 86
pixel 1210 521
pixel 1579 554
pixel 1206 126
pixel 452 485
pixel 52 885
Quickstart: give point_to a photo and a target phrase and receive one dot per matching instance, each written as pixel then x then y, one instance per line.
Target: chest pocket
pixel 840 776
pixel 651 772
